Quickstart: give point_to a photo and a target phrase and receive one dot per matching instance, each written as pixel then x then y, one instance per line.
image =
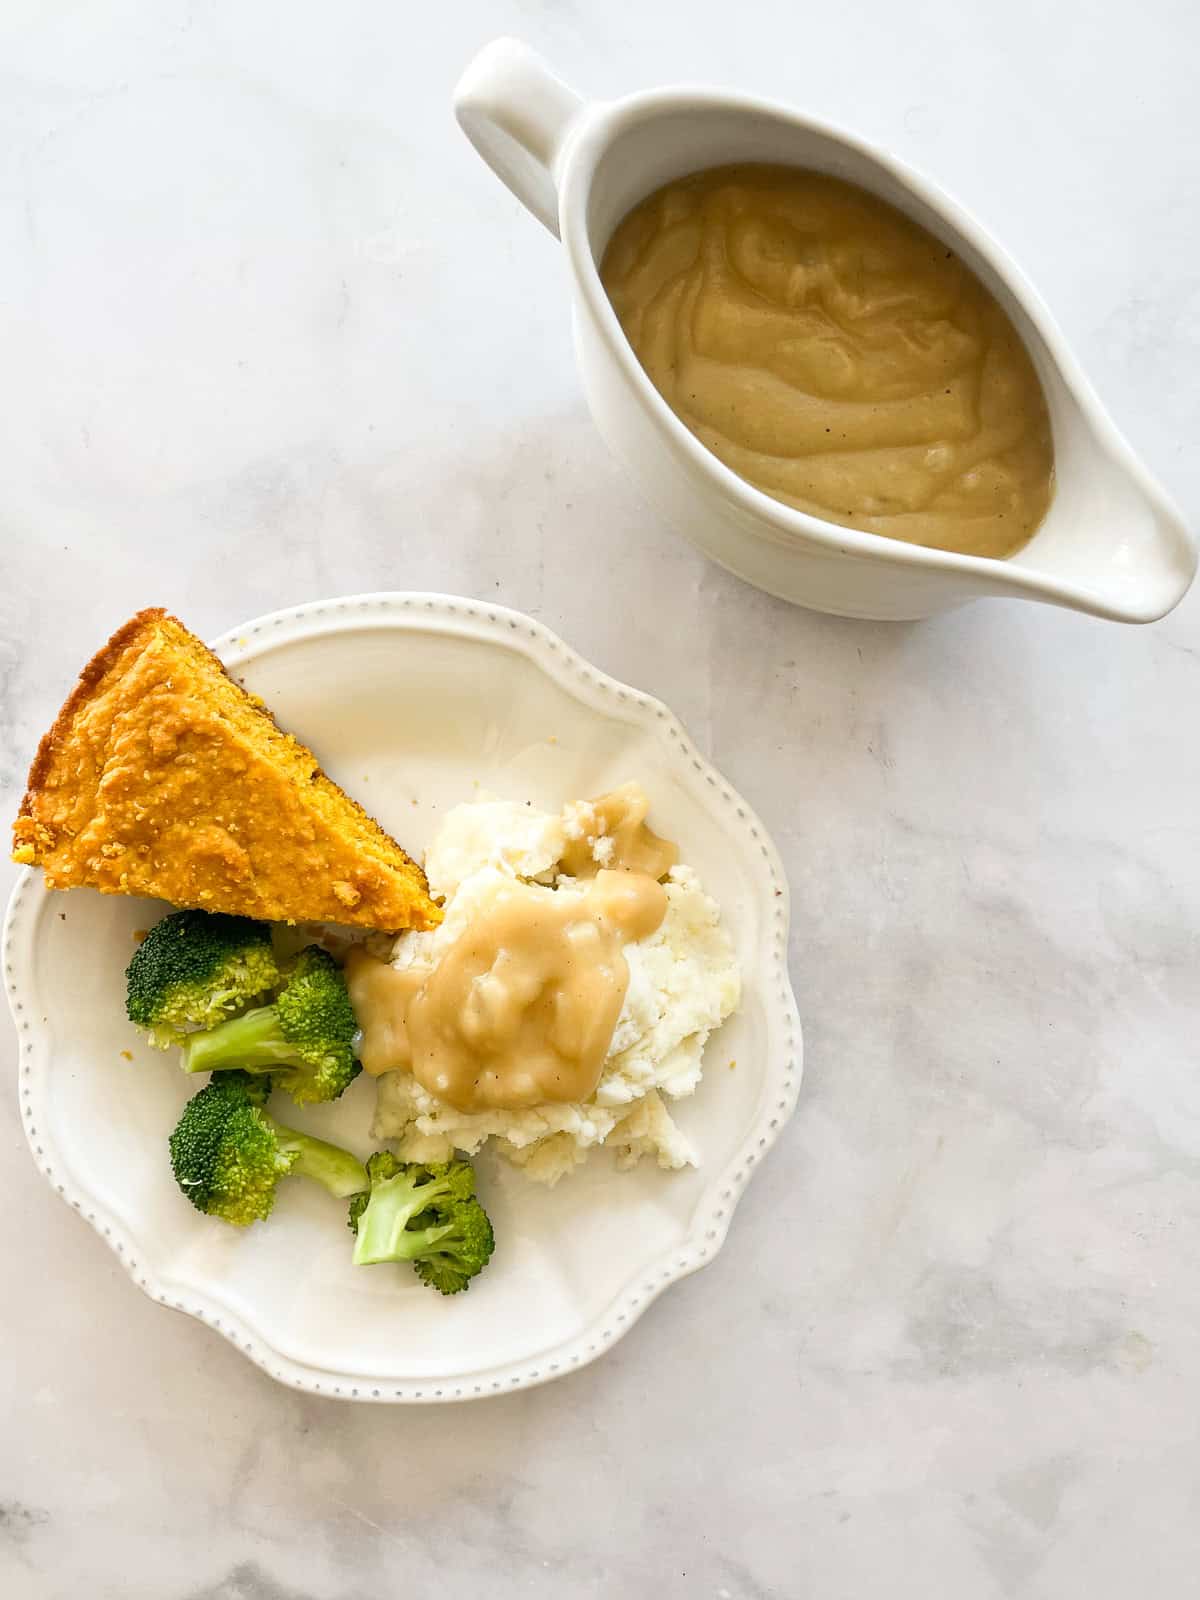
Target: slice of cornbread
pixel 162 777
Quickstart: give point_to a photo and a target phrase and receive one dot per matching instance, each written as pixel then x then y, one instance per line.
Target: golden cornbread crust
pixel 162 777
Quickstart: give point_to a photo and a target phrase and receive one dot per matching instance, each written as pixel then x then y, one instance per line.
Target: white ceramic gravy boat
pixel 1112 543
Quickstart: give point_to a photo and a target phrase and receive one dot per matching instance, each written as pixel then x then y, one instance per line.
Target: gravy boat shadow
pixel 1112 544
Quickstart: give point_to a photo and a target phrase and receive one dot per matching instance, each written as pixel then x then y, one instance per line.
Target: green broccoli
pixel 194 969
pixel 228 1155
pixel 305 1039
pixel 427 1215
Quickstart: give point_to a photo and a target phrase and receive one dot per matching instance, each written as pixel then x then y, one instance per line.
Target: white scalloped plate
pixel 410 701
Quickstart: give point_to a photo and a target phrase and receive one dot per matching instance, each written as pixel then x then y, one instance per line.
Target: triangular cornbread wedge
pixel 162 777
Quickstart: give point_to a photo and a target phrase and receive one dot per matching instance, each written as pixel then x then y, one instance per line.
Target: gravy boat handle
pixel 519 116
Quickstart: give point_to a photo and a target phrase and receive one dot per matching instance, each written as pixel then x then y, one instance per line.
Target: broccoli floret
pixel 194 969
pixel 228 1154
pixel 305 1039
pixel 426 1215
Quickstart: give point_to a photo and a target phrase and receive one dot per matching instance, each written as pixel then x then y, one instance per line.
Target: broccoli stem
pixel 333 1168
pixel 383 1232
pixel 252 1041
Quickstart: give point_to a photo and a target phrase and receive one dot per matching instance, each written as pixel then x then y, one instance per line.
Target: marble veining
pixel 272 333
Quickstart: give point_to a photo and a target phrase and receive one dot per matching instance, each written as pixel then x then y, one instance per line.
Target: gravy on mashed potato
pixel 836 355
pixel 520 1010
pixel 557 903
pixel 612 832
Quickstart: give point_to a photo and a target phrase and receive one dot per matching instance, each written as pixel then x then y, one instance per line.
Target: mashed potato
pixel 683 982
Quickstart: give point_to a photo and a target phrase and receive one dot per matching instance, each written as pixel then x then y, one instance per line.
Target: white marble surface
pixel 270 332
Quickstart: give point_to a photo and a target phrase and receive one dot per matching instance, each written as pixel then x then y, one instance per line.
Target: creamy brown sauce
pixel 520 1009
pixel 617 823
pixel 380 995
pixel 835 355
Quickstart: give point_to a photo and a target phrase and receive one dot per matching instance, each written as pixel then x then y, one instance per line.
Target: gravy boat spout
pixel 1111 544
